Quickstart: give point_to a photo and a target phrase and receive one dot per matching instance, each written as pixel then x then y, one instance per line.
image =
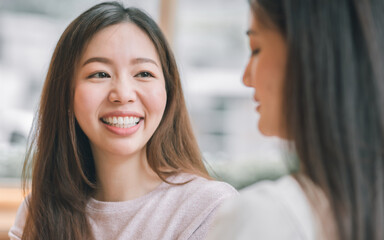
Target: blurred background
pixel 210 45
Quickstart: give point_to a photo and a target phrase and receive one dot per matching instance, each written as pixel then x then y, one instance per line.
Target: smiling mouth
pixel 121 122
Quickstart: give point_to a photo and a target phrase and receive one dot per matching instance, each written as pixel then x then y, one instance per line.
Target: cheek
pixel 268 77
pixel 86 100
pixel 81 99
pixel 156 99
pixel 161 99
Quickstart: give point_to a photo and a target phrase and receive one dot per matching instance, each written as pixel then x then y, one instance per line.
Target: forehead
pixel 121 39
pixel 256 24
pixel 259 27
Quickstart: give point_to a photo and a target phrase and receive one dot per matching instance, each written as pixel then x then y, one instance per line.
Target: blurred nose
pixel 246 76
pixel 123 91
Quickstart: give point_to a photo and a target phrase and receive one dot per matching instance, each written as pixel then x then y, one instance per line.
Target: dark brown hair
pixel 63 171
pixel 333 103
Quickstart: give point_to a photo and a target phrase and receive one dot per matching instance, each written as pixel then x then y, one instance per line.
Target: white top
pixel 268 211
pixel 168 212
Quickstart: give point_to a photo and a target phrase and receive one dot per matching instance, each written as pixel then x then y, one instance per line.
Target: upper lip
pixel 255 98
pixel 122 114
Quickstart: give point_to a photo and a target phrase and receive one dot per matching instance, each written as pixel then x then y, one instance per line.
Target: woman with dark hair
pixel 114 155
pixel 317 70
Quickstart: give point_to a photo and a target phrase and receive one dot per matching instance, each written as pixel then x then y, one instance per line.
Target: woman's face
pixel 265 73
pixel 120 93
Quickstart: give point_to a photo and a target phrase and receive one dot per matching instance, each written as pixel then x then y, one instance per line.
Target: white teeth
pixel 122 122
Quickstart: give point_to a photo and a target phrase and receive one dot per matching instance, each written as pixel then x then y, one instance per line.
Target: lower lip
pixel 123 131
pixel 258 108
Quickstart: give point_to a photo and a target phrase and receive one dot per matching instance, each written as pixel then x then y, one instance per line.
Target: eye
pixel 100 75
pixel 255 52
pixel 144 75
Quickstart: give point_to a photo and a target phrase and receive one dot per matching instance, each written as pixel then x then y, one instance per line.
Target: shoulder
pixel 16 230
pixel 197 201
pixel 284 196
pixel 285 189
pixel 264 207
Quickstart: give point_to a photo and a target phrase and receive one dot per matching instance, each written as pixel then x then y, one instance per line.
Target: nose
pixel 246 76
pixel 123 91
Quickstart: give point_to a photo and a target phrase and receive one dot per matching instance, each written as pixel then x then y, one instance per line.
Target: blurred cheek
pixel 267 77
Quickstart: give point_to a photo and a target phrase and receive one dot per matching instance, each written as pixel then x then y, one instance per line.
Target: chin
pixel 125 152
pixel 267 131
pixel 267 134
pixel 118 149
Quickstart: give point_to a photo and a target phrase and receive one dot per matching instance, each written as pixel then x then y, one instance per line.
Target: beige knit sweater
pixel 168 212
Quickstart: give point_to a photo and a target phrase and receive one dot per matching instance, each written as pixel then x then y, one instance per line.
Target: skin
pixel 265 73
pixel 120 74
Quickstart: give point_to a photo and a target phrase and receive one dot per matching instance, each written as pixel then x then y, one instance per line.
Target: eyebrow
pixel 143 60
pixel 108 61
pixel 97 59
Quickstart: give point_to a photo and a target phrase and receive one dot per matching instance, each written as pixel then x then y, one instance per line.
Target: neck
pixel 122 178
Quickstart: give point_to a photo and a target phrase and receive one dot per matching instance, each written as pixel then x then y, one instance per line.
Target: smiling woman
pixel 120 97
pixel 119 102
pixel 114 151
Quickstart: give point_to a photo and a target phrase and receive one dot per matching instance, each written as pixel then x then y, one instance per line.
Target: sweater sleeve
pixel 16 231
pixel 206 200
pixel 203 229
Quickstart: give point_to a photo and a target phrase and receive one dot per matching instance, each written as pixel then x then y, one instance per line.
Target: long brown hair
pixel 63 170
pixel 333 103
